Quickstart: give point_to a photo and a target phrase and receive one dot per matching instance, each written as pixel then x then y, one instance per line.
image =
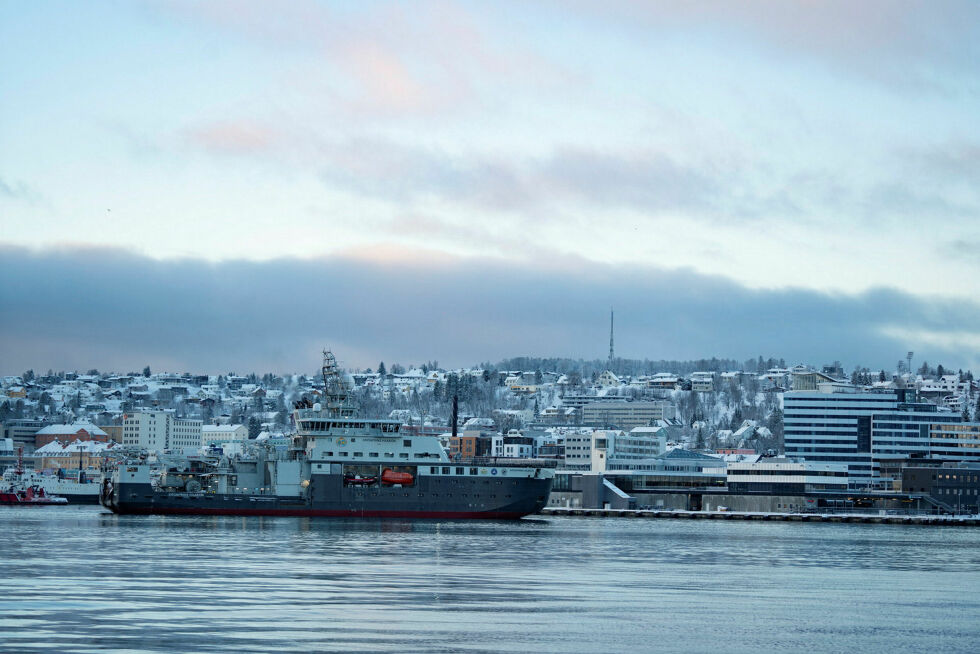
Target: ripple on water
pixel 77 579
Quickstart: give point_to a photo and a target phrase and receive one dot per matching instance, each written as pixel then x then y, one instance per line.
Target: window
pixel 445 470
pixel 374 454
pixel 460 471
pixel 472 471
pixel 407 442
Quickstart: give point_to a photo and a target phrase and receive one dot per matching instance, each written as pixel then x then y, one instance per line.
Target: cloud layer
pixel 82 308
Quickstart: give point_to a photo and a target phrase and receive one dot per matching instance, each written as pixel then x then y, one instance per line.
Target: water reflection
pixel 76 578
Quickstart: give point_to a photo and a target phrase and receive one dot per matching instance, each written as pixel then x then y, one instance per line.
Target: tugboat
pixel 338 465
pixel 17 493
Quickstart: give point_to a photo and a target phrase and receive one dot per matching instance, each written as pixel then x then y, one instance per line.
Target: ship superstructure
pixel 337 465
pixel 76 489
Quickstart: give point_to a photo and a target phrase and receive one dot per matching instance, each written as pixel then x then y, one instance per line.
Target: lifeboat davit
pixel 390 477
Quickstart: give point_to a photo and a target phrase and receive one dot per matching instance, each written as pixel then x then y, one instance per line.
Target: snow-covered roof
pixel 71 430
pixel 54 447
pixel 87 446
pixel 220 429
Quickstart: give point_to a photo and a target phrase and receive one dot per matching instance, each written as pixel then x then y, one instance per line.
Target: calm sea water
pixel 77 579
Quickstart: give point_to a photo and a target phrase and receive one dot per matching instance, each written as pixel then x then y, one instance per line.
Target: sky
pixel 233 185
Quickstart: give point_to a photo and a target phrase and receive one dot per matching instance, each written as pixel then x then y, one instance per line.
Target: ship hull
pixel 517 498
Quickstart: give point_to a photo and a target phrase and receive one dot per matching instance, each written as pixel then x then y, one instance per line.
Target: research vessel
pixel 337 465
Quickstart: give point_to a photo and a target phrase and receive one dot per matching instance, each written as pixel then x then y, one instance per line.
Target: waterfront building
pixel 873 432
pixel 833 425
pixel 955 441
pixel 785 477
pixel 614 449
pixel 675 470
pixel 578 449
pixel 905 434
pixel 955 485
pixel 161 431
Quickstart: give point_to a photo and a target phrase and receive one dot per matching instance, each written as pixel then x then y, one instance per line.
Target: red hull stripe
pixel 323 513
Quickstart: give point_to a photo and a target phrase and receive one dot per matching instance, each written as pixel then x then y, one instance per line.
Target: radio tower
pixel 611 356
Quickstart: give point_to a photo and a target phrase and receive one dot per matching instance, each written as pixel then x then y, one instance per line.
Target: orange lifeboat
pixel 389 477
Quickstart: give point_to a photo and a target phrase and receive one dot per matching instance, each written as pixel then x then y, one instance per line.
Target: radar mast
pixel 338 401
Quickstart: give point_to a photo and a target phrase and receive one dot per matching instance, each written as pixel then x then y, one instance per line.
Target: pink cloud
pixel 384 78
pixel 234 137
pixel 424 58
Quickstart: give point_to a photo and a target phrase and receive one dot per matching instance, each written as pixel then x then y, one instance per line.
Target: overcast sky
pixel 465 182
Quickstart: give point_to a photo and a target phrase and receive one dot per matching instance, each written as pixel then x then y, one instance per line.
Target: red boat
pixel 29 496
pixel 20 494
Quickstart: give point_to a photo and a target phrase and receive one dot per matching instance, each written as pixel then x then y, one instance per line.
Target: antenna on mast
pixel 611 316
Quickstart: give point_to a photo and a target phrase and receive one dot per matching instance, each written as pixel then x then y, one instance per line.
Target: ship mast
pixel 338 401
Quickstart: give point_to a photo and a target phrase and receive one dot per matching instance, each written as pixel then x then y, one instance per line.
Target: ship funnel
pixel 455 417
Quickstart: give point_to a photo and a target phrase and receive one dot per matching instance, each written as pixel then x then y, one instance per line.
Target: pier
pixel 867 518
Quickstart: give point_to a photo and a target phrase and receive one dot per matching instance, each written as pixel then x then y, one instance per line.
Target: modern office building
pixel 872 430
pixel 833 425
pixel 957 441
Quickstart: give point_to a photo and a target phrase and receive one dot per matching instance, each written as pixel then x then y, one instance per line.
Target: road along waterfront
pixel 80 579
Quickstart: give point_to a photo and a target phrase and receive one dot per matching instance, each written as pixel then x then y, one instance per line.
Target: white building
pixel 578 450
pixel 161 430
pixel 614 449
pixel 702 382
pixel 221 434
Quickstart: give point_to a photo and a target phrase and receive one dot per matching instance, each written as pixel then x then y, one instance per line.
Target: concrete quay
pixel 872 518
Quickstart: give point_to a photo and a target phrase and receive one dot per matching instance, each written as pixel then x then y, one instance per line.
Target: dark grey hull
pixel 428 497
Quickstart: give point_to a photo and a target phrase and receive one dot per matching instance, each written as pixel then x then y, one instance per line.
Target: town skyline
pixel 486 180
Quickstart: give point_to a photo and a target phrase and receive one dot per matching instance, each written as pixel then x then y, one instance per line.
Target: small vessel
pixel 16 491
pixel 337 465
pixel 82 488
